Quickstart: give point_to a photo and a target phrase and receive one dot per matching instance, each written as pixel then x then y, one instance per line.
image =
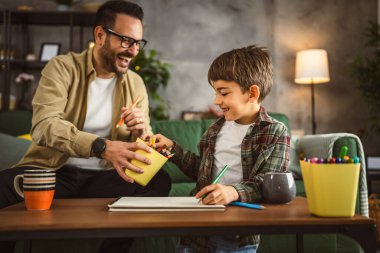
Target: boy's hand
pixel 218 194
pixel 162 140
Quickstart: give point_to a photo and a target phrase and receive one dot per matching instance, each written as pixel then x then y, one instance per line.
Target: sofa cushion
pixel 282 118
pixel 345 141
pixel 294 163
pixel 181 189
pixel 11 150
pixel 15 122
pixel 185 133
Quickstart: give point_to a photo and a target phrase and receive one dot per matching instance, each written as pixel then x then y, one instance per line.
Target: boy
pixel 245 138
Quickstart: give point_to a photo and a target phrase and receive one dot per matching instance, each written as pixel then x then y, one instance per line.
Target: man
pixel 76 107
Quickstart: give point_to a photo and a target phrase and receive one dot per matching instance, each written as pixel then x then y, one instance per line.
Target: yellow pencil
pixel 123 117
pixel 153 141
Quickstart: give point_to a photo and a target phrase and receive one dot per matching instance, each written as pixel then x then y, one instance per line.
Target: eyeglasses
pixel 127 42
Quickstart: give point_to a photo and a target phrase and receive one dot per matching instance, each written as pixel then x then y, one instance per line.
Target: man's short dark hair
pixel 106 14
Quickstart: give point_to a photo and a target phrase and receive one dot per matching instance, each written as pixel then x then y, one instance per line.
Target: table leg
pixel 27 246
pixel 299 240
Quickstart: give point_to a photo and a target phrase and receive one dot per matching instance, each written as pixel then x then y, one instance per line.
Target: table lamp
pixel 312 68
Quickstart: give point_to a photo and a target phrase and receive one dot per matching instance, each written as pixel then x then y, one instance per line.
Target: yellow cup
pixel 331 189
pixel 150 170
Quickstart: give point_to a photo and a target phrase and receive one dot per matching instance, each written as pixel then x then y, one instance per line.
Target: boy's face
pixel 236 105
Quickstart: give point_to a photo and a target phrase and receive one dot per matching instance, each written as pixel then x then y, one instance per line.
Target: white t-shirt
pixel 100 97
pixel 228 151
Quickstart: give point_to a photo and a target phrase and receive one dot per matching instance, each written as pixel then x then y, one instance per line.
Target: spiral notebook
pixel 161 204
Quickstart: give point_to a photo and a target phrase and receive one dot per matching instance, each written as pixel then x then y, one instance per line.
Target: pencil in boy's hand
pixel 122 118
pixel 153 139
pixel 216 180
pixel 220 174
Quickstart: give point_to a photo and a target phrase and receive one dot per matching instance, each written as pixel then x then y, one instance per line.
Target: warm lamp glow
pixel 312 67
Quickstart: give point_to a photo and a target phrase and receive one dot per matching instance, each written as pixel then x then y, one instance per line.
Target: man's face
pixel 113 57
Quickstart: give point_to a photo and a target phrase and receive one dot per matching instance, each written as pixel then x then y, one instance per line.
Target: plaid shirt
pixel 265 148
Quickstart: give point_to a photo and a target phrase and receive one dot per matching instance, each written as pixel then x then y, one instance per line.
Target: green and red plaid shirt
pixel 265 148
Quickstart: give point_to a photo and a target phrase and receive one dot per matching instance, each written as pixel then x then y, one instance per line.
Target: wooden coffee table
pixel 89 218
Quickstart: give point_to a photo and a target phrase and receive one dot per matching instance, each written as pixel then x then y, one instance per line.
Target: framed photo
pixel 49 50
pixel 192 115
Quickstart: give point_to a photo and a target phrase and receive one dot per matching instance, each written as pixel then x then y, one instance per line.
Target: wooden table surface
pixel 73 218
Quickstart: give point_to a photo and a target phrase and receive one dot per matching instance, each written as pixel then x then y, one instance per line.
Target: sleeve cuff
pixel 83 143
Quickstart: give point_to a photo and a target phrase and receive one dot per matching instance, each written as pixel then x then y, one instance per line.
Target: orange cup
pixel 38 188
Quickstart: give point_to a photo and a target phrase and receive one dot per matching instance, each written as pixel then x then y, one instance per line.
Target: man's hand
pixel 134 120
pixel 120 155
pixel 218 194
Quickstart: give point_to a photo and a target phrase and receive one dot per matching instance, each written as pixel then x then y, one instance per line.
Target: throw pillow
pixel 294 163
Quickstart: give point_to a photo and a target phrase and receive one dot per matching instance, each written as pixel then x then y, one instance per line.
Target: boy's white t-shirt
pixel 228 151
pixel 98 120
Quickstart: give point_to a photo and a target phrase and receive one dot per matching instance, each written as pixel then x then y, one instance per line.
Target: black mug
pixel 279 187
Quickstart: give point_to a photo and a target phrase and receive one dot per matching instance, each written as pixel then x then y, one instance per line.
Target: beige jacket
pixel 60 105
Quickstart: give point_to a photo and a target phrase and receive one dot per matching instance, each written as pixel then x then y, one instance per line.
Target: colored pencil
pixel 122 118
pixel 216 180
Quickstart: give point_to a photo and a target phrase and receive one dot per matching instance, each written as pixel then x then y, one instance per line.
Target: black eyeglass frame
pixel 130 41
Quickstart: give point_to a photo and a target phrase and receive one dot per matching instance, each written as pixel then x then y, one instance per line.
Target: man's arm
pixel 49 127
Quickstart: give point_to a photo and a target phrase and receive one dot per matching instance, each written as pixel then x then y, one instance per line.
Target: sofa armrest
pixel 327 145
pixel 15 122
pixel 12 149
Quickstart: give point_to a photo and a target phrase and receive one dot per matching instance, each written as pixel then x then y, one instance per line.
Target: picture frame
pixel 192 115
pixel 49 50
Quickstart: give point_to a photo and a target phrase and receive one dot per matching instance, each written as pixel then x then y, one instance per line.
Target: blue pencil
pixel 248 205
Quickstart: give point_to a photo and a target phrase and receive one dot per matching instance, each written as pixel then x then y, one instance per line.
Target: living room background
pixel 190 34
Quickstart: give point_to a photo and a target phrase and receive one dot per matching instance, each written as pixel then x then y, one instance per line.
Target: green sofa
pixel 187 133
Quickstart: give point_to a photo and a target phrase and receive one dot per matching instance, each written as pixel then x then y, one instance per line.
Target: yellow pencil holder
pixel 157 161
pixel 331 189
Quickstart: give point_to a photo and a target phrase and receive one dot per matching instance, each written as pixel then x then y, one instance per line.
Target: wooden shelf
pixel 27 64
pixel 54 18
pixel 11 18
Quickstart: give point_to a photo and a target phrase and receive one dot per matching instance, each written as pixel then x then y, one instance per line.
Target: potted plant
pixel 155 75
pixel 366 69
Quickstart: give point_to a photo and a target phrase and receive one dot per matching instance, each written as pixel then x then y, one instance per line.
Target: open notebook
pixel 154 204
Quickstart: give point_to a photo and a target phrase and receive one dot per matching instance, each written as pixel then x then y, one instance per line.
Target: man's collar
pixel 90 65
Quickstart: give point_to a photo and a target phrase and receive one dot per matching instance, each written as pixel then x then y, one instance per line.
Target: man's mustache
pixel 125 54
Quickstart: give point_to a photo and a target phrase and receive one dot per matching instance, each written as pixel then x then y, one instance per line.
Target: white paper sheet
pixel 134 204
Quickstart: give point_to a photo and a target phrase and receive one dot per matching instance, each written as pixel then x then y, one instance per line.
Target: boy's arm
pixel 274 158
pixel 187 161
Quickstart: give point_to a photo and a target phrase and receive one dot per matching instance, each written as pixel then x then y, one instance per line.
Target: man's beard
pixel 108 59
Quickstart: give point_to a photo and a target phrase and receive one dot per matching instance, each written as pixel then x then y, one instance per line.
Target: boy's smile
pixel 236 105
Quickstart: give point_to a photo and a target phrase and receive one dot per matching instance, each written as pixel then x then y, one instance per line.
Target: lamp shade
pixel 312 67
